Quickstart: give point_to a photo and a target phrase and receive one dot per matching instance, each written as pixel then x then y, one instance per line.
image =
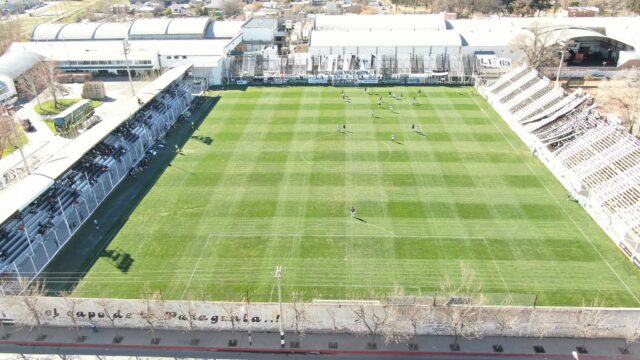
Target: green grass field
pixel 275 188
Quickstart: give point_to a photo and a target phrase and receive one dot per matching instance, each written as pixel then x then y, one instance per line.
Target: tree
pixel 621 94
pixel 371 319
pixel 229 310
pixel 590 319
pixel 9 32
pixel 48 74
pixel 332 316
pixel 630 336
pixel 153 312
pixel 72 304
pixel 33 81
pixel 401 325
pixel 7 133
pixel 189 317
pixel 30 297
pixel 231 8
pixel 541 5
pixel 539 46
pixel 105 306
pixel 462 308
pixel 504 318
pixel 299 313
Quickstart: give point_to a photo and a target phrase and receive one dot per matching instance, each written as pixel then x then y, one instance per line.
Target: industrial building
pixel 408 48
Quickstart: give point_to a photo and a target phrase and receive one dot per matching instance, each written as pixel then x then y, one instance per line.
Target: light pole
pixel 565 47
pixel 278 276
pixel 127 49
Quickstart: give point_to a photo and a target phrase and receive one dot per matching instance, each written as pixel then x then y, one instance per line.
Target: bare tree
pixel 48 74
pixel 539 46
pixel 9 32
pixel 152 313
pixel 7 137
pixel 189 317
pixel 371 319
pixel 30 297
pixel 539 322
pixel 621 95
pixel 299 313
pixel 247 316
pixel 72 304
pixel 398 328
pixel 462 308
pixel 33 81
pixel 105 306
pixel 505 318
pixel 229 310
pixel 631 336
pixel 331 312
pixel 590 319
pixel 231 8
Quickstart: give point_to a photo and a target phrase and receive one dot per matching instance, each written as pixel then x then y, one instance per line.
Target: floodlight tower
pixel 126 47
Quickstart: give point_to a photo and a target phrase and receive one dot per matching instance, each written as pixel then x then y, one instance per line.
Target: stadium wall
pixel 334 317
pixel 614 229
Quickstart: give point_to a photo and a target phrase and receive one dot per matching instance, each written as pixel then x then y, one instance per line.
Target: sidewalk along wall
pixel 390 320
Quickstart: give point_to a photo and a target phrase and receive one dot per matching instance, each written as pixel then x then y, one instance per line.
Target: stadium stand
pixel 590 154
pixel 32 236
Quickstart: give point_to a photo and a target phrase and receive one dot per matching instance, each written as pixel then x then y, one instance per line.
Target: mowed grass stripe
pixel 275 186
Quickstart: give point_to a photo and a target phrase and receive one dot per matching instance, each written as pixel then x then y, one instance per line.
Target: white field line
pixel 563 209
pixel 496 265
pixel 195 267
pixel 346 235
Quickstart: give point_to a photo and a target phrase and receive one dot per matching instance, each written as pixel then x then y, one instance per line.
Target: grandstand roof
pixel 350 22
pixel 188 25
pixel 112 49
pixel 149 27
pixel 77 31
pixel 46 31
pixel 15 63
pixel 401 38
pixel 112 31
pixel 26 190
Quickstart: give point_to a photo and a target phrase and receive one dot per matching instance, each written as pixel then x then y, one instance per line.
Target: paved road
pixel 178 343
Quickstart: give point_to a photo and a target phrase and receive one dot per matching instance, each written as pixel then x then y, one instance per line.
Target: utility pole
pixel 127 49
pixel 278 276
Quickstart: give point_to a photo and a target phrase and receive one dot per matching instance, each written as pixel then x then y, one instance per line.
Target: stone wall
pixel 392 321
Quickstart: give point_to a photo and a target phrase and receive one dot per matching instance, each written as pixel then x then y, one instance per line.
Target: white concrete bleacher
pixel 32 235
pixel 592 156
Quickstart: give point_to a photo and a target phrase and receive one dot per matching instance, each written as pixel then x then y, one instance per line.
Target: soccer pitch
pixel 276 184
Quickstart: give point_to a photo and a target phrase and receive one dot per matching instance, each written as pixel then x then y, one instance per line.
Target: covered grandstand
pixel 597 162
pixel 41 212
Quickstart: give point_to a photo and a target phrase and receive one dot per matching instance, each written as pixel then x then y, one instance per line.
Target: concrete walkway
pixel 180 343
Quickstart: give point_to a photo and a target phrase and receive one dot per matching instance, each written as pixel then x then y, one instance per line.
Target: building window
pixel 184 56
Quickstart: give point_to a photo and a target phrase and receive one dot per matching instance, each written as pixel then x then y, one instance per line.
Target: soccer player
pixel 393 137
pixel 338 127
pixel 353 212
